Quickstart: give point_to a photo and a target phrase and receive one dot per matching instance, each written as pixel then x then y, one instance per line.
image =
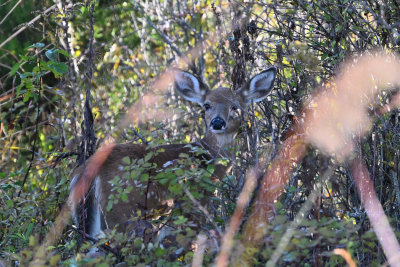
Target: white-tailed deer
pixel 134 182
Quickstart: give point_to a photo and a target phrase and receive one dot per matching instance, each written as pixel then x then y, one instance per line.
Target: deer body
pixel 146 193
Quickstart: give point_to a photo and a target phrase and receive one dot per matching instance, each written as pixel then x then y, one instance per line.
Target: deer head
pixel 222 105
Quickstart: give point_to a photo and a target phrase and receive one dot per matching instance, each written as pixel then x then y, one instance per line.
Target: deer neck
pixel 219 145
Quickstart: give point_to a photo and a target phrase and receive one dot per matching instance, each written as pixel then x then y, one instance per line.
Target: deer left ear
pixel 259 87
pixel 189 86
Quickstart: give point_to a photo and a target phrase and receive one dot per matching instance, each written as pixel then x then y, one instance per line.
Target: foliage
pixel 43 81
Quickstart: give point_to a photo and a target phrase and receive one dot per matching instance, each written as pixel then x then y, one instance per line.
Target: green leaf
pixel 27 96
pixel 9 203
pixel 19 87
pixel 183 155
pixel 64 53
pixel 210 168
pixel 110 204
pixel 144 177
pixel 175 189
pixel 179 172
pixel 29 229
pixel 160 252
pixel 36 69
pixel 129 189
pixel 37 45
pixel 15 68
pixel 25 75
pixel 126 160
pixel 148 156
pixel 58 68
pixel 180 220
pixel 162 178
pixel 52 54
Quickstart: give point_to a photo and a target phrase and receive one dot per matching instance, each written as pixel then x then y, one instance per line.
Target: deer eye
pixel 235 109
pixel 206 106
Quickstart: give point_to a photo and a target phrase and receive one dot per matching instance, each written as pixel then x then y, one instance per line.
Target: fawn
pixel 136 173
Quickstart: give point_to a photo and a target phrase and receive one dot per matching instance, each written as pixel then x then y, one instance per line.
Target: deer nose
pixel 217 123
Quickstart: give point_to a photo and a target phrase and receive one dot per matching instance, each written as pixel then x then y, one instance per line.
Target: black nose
pixel 217 123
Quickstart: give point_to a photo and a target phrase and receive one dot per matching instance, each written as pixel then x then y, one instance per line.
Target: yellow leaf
pixel 54 260
pixel 32 241
pixel 116 64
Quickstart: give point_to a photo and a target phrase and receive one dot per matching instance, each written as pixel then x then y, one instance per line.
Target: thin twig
pixel 9 12
pixel 5 3
pixel 27 25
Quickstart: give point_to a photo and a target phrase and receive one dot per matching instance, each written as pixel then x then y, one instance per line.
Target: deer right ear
pixel 189 86
pixel 259 86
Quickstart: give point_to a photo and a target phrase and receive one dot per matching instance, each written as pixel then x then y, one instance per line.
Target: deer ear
pixel 189 86
pixel 259 87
